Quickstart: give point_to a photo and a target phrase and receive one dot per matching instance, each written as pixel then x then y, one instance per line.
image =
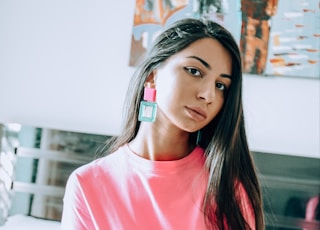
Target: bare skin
pixel 190 93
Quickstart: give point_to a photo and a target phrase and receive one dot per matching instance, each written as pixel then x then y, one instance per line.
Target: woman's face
pixel 191 85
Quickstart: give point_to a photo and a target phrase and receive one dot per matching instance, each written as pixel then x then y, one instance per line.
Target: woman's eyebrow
pixel 226 76
pixel 206 64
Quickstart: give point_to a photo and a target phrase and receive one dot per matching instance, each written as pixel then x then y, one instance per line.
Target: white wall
pixel 282 115
pixel 64 65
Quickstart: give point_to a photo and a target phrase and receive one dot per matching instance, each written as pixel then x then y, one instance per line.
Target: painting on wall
pixel 151 16
pixel 275 37
pixel 294 46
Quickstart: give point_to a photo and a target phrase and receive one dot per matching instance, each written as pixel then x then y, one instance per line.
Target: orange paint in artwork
pixel 292 63
pixel 159 15
pixel 277 61
pixel 316 35
pixel 313 61
pixel 308 10
pixel 299 26
pixel 312 50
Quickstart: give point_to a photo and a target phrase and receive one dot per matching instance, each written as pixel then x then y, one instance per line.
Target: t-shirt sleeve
pixel 246 206
pixel 76 214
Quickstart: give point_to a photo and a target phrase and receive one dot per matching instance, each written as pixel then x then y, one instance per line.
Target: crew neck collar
pixel 193 159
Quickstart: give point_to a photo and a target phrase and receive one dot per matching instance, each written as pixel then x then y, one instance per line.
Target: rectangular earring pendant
pixel 148 111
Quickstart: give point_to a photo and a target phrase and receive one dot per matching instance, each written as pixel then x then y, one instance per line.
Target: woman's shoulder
pixel 101 166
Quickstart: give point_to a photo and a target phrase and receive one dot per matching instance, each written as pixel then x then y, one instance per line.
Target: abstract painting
pixel 278 38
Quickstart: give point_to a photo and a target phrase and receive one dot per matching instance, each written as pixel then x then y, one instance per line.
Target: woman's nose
pixel 207 93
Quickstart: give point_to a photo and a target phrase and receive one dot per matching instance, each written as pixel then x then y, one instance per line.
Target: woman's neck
pixel 161 143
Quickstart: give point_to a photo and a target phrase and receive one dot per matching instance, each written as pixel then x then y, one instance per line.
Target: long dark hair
pixel 228 158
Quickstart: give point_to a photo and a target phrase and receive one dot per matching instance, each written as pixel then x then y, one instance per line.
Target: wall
pixel 64 65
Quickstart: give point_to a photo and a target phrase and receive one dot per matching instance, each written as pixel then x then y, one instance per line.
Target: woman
pixel 182 160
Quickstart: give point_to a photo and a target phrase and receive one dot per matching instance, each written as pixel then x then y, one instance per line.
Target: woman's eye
pixel 221 86
pixel 193 71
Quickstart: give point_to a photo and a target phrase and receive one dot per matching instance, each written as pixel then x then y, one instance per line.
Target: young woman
pixel 182 160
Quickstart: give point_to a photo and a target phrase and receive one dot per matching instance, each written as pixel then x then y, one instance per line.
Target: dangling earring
pixel 148 107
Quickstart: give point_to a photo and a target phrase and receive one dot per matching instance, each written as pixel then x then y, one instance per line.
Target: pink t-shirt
pixel 125 191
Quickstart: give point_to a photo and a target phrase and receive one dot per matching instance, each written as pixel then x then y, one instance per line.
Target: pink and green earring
pixel 148 107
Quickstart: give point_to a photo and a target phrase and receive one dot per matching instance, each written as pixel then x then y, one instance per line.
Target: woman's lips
pixel 196 113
